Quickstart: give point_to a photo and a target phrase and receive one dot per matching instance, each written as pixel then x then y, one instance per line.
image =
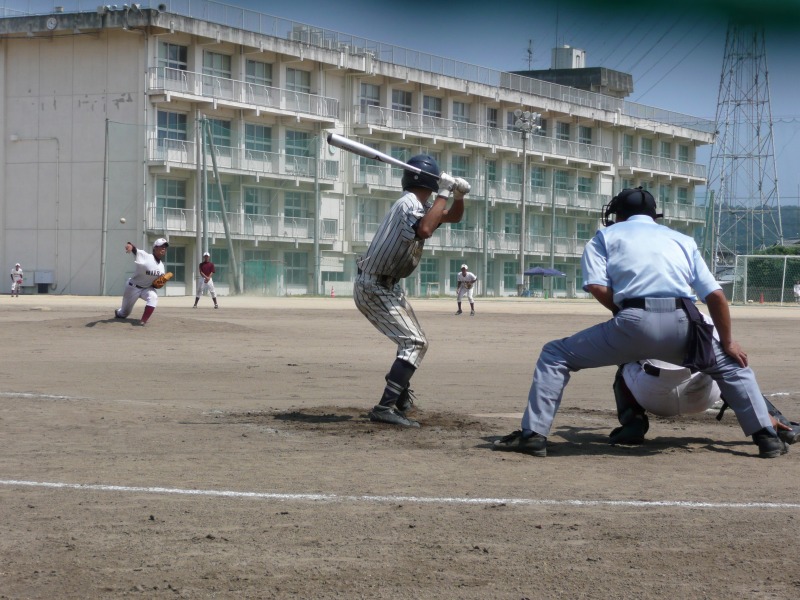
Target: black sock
pixel 397 380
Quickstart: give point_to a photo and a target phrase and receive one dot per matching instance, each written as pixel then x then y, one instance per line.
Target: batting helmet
pixel 630 202
pixel 428 180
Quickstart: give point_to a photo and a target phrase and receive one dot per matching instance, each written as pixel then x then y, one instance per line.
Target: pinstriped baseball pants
pixel 389 311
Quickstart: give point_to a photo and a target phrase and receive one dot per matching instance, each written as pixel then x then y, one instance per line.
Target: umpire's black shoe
pixel 535 444
pixel 390 415
pixel 769 444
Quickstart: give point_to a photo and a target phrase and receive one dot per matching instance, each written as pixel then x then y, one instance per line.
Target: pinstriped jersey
pixel 396 250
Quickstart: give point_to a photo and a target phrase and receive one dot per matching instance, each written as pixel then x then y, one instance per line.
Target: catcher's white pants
pixel 203 287
pixel 661 332
pixel 391 314
pixel 674 391
pixel 132 294
pixel 463 291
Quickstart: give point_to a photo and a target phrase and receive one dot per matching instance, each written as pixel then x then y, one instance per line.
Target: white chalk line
pixel 397 499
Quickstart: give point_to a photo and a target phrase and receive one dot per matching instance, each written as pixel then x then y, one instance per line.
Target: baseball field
pixel 227 454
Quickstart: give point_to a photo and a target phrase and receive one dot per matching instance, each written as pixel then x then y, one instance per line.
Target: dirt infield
pixel 227 454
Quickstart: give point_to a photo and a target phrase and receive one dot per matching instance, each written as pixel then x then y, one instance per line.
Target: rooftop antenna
pixel 530 54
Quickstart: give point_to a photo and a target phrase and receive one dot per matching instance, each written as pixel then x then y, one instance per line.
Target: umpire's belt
pixel 382 280
pixel 642 302
pixel 141 287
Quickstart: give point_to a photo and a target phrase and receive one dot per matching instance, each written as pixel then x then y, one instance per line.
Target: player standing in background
pixel 465 282
pixel 796 290
pixel 642 272
pixel 205 282
pixel 16 280
pixel 394 253
pixel 148 268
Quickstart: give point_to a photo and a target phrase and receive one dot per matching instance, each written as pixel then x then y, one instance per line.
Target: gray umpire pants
pixel 659 331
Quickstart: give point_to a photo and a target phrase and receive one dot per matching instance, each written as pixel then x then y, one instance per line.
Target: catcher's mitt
pixel 161 280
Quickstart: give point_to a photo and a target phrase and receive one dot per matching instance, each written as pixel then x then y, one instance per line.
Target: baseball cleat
pixel 390 415
pixel 769 445
pixel 407 402
pixel 472 313
pixel 535 444
pixel 458 313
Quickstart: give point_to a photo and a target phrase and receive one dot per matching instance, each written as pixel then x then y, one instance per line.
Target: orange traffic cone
pixel 333 294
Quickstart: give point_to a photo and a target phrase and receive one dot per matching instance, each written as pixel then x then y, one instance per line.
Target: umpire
pixel 640 270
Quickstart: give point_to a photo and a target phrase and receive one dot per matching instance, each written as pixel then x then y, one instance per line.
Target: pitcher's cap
pixel 464 267
pixel 160 242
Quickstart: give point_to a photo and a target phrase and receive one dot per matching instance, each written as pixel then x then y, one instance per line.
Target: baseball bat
pixel 367 152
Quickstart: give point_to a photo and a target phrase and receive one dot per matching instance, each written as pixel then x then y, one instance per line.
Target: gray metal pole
pixel 104 238
pixel 522 225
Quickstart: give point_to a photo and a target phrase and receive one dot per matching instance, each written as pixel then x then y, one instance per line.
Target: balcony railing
pixel 672 166
pixel 436 127
pixel 165 80
pixel 178 221
pixel 182 153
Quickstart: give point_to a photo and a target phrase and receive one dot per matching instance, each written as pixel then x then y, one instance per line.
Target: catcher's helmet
pixel 428 180
pixel 629 202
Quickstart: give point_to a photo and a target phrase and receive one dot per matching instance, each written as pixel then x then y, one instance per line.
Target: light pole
pixel 526 123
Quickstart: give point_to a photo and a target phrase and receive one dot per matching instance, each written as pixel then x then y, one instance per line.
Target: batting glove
pixel 446 183
pixel 462 186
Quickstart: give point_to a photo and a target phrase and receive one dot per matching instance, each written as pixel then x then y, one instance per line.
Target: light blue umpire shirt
pixel 638 258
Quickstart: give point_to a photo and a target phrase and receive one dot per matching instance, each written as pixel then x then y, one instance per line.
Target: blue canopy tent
pixel 543 272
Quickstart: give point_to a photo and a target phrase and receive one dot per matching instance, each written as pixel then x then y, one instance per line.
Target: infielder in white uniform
pixel 394 253
pixel 148 268
pixel 466 280
pixel 16 280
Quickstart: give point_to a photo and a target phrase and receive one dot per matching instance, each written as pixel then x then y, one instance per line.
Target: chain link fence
pixel 766 279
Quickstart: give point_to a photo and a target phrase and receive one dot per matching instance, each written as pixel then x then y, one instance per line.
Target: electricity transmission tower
pixel 743 206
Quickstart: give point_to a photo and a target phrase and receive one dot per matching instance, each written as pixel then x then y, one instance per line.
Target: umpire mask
pixel 629 202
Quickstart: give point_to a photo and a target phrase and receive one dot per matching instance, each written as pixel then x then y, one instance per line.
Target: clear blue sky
pixel 674 50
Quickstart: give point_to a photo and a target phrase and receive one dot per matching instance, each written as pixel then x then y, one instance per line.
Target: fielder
pixel 205 283
pixel 149 273
pixel 16 280
pixel 394 253
pixel 641 272
pixel 465 281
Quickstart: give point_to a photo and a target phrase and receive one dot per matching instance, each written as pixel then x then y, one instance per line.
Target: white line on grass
pixel 396 499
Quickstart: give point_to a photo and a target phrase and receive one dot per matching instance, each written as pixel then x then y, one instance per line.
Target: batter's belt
pixel 382 280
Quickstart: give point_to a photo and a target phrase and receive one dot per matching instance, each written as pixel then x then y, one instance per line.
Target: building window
pixel 175 262
pixel 537 227
pixel 562 181
pixel 491 117
pixel 584 134
pixel 683 195
pixel 514 174
pixel 585 184
pixel 562 131
pixel 511 223
pixel 297 143
pixel 455 269
pixel 628 184
pixel 461 112
pixel 295 205
pixel 214 199
pixel 542 128
pixel 646 146
pixel 511 121
pixel 258 73
pixel 298 81
pixel 583 230
pixel 537 177
pixel 401 100
pixel 683 153
pixel 510 275
pixel 171 126
pixel 459 166
pixel 257 201
pixel 627 145
pixel 172 56
pixel 431 106
pixel 296 268
pixel 665 150
pixel 257 138
pixel 428 272
pixel 370 95
pixel 170 193
pixel 216 65
pixel 664 194
pixel 220 132
pixel 491 170
pixel 561 228
pixel 400 153
pixel 221 260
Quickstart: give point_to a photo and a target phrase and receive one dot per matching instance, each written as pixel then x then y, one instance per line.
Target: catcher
pixel 16 280
pixel 465 282
pixel 147 278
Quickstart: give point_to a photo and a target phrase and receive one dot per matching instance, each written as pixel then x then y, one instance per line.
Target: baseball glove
pixel 468 285
pixel 161 280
